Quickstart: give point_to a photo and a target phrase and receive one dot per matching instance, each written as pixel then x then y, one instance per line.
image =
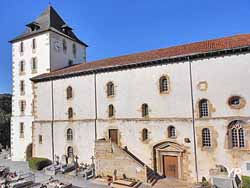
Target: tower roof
pixel 48 20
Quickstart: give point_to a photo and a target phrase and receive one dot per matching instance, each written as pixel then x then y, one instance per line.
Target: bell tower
pixel 47 44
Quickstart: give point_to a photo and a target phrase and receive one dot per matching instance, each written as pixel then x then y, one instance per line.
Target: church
pixel 179 111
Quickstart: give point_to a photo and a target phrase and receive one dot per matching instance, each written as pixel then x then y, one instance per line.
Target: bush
pixel 245 181
pixel 37 163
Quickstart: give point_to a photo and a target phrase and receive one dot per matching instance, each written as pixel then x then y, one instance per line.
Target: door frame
pixel 117 134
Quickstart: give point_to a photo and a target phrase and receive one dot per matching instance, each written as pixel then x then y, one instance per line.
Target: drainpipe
pixel 95 106
pixel 193 119
pixel 52 121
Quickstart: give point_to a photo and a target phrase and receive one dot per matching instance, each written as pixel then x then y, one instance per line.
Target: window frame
pixel 69 135
pixel 204 110
pixel 145 134
pixel 40 139
pixel 21 129
pixel 171 131
pixel 111 111
pixel 34 44
pixel 144 110
pixel 70 113
pixel 69 92
pixel 110 89
pixel 237 134
pixel 164 87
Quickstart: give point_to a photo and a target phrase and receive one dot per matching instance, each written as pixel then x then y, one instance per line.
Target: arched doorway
pixel 168 159
pixel 29 152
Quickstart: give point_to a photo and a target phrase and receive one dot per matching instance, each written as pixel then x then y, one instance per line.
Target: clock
pixel 57 45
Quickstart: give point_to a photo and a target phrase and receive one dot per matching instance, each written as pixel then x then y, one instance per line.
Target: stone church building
pixel 179 111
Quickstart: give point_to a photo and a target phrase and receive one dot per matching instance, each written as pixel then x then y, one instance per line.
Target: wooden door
pixel 113 135
pixel 170 166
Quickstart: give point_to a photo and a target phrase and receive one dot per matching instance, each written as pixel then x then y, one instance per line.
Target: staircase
pixel 151 176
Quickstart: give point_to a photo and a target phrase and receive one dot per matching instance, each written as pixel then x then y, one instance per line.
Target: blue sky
pixel 117 27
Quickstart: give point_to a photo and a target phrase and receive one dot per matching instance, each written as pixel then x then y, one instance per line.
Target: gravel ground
pixel 20 166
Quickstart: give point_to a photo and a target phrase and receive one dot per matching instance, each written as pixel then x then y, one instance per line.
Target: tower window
pixel 111 110
pixel 206 138
pixel 70 113
pixel 33 44
pixel 22 90
pixel 144 134
pixel 69 134
pixel 70 152
pixel 40 138
pixel 74 49
pixel 21 130
pixel 171 132
pixel 22 66
pixel 22 106
pixel 110 89
pixel 164 84
pixel 69 92
pixel 64 45
pixel 21 47
pixel 34 64
pixel 70 62
pixel 203 108
pixel 144 109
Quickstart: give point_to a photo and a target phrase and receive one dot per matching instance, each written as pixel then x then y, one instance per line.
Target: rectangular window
pixel 34 44
pixel 22 69
pixel 22 106
pixel 40 138
pixel 70 62
pixel 21 130
pixel 22 90
pixel 34 65
pixel 21 47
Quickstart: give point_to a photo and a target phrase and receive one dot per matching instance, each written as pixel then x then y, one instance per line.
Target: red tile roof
pixel 236 41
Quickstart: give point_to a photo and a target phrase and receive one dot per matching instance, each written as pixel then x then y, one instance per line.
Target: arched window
pixel 236 134
pixel 69 134
pixel 69 92
pixel 144 109
pixel 33 44
pixel 171 132
pixel 110 89
pixel 164 84
pixel 206 138
pixel 70 152
pixel 203 108
pixel 70 113
pixel 144 134
pixel 74 49
pixel 64 45
pixel 111 110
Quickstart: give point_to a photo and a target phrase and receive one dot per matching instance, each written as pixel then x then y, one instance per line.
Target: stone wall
pixel 110 158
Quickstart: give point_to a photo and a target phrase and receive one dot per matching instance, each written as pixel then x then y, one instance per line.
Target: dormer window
pixel 33 26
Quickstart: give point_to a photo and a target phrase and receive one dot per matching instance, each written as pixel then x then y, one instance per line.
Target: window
pixel 70 113
pixel 164 86
pixel 203 108
pixel 206 139
pixel 40 138
pixel 21 130
pixel 236 102
pixel 70 62
pixel 69 134
pixel 22 67
pixel 22 106
pixel 69 92
pixel 111 110
pixel 22 90
pixel 34 64
pixel 33 44
pixel 144 134
pixel 236 136
pixel 74 49
pixel 110 89
pixel 21 47
pixel 64 46
pixel 171 132
pixel 70 152
pixel 144 109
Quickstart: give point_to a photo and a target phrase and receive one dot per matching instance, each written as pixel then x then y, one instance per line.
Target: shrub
pixel 37 163
pixel 245 181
